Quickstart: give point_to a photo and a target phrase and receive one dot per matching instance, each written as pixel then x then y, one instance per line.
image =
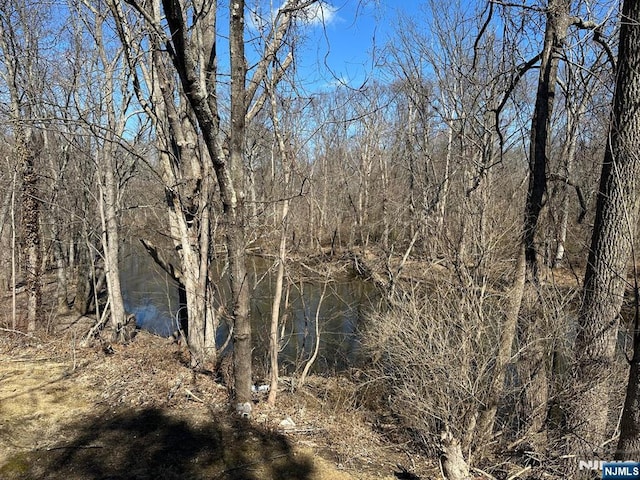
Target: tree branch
pixel 168 267
pixel 519 5
pixel 479 37
pixel 598 37
pixel 520 71
pixel 581 200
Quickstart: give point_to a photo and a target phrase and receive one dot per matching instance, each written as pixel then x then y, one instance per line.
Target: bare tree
pixel 612 247
pixel 19 45
pixel 189 37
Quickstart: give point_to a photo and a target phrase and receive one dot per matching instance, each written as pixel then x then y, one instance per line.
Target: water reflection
pixel 151 295
pixel 148 293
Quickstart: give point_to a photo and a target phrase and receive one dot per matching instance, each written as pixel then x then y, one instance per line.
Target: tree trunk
pixel 27 153
pixel 187 179
pixel 555 33
pixel 534 369
pixel 612 246
pixel 6 213
pixel 61 270
pixel 486 420
pixel 82 297
pixel 233 211
pixel 568 156
pixel 454 465
pixel 282 218
pixel 28 144
pixel 111 240
pixel 191 45
pixel 629 441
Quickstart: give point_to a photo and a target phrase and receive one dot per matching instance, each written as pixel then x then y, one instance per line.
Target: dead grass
pixel 70 413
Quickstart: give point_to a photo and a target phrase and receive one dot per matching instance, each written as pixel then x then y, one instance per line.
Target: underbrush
pixel 432 360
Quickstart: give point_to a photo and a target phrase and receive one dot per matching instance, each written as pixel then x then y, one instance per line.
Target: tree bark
pixel 111 240
pixel 629 441
pixel 487 416
pixel 233 210
pixel 612 243
pixel 188 187
pixel 533 368
pixel 623 173
pixel 555 33
pixel 27 147
pixel 27 151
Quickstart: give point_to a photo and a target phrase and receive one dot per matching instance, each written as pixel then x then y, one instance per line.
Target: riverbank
pixel 138 411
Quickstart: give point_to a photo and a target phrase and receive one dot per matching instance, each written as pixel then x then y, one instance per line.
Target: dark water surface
pixel 152 296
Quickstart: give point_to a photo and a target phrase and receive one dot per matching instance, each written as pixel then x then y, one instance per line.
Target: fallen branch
pixel 75 447
pixel 250 464
pixel 29 359
pixel 11 330
pixel 97 327
pixel 517 475
pixel 482 472
pixel 191 396
pixel 305 431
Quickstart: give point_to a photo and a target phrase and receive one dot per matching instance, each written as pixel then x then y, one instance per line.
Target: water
pixel 341 308
pixel 151 295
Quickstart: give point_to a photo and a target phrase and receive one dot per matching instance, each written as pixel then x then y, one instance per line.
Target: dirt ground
pixel 139 412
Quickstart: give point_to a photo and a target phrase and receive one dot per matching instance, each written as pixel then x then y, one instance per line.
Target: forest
pixel 477 176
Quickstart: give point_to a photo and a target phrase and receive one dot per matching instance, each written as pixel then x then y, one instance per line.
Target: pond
pixel 152 296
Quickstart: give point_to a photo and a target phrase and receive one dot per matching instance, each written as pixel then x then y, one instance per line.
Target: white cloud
pixel 319 13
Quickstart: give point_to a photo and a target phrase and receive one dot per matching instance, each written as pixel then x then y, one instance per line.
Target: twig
pixel 488 475
pixel 516 475
pixel 307 430
pixel 11 330
pixel 250 464
pixel 192 396
pixel 76 447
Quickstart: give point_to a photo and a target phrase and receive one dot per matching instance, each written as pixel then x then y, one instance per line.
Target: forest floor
pixel 139 412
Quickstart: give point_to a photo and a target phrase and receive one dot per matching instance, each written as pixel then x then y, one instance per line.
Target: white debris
pixel 287 424
pixel 259 388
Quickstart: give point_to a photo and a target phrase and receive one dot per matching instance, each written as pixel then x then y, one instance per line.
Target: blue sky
pixel 343 47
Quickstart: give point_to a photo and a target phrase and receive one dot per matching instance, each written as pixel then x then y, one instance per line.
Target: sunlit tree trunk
pixel 110 111
pixel 109 213
pixel 234 213
pixel 612 244
pixel 27 151
pixel 274 337
pixel 188 34
pixel 27 146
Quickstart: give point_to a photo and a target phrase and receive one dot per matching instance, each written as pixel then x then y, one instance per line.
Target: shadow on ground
pixel 150 444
